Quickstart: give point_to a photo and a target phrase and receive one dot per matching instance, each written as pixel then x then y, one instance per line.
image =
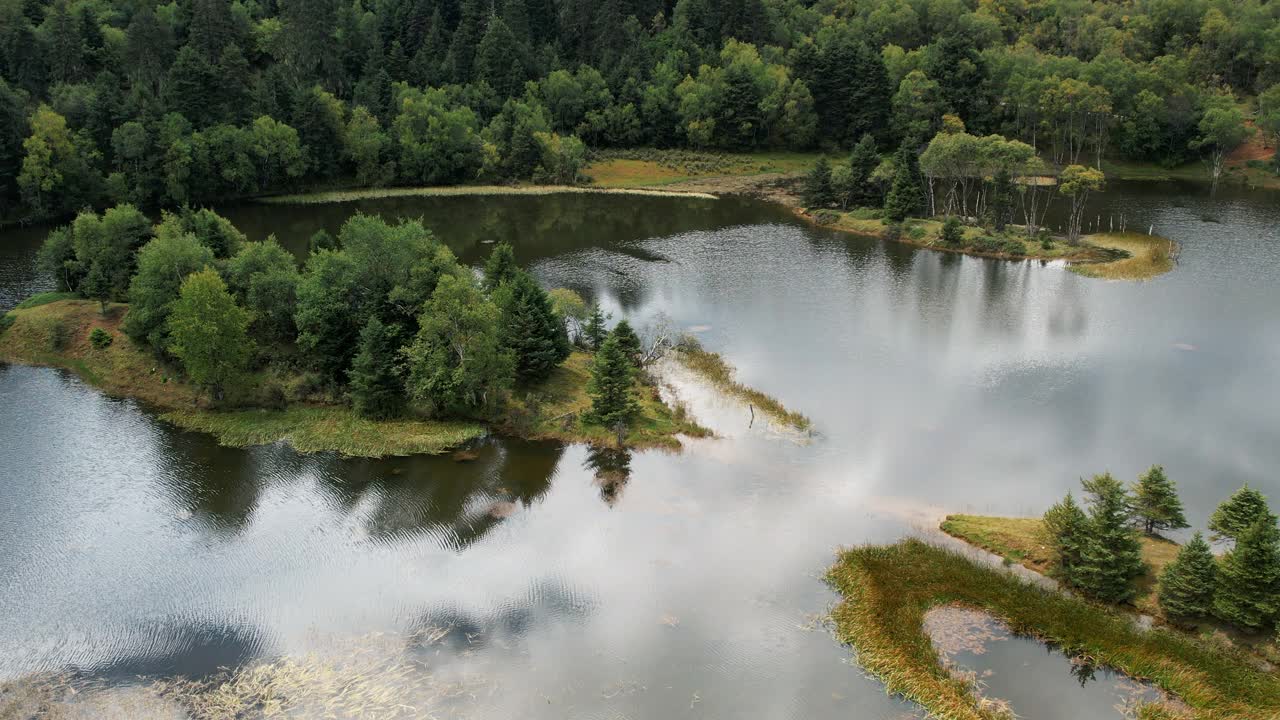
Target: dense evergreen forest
pixel 194 101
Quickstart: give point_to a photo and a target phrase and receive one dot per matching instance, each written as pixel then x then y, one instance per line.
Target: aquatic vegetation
pixel 1139 256
pixel 720 373
pixel 340 196
pixel 888 589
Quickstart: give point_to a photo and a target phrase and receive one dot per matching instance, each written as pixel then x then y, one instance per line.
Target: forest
pixel 198 101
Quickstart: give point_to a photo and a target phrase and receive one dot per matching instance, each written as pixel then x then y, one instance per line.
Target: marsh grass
pixel 655 168
pixel 341 196
pixel 329 428
pixel 718 372
pixel 888 589
pixel 1140 257
pixel 557 409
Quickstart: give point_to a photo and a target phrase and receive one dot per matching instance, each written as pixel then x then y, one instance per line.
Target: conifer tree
pixel 1065 524
pixel 1187 584
pixel 1238 513
pixel 612 400
pixel 530 327
pixel 863 162
pixel 377 391
pixel 594 332
pixel 1155 504
pixel 904 194
pixel 1248 593
pixel 628 342
pixel 1111 556
pixel 818 192
pixel 500 267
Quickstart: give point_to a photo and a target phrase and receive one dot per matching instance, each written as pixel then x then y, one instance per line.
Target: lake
pixel 554 581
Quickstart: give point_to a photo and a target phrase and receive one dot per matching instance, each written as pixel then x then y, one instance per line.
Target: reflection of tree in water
pixel 454 499
pixel 612 469
pixel 1083 670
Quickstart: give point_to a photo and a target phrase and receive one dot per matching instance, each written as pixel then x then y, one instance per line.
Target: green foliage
pixel 1066 526
pixel 1188 584
pixel 457 363
pixel 501 266
pixel 264 278
pixel 628 342
pixel 1110 556
pixel 1248 593
pixel 1238 513
pixel 100 339
pixel 904 195
pixel 1155 504
pixel 818 192
pixel 163 263
pixel 952 231
pixel 594 331
pixel 530 328
pixel 328 326
pixel 210 332
pixel 377 391
pixel 613 402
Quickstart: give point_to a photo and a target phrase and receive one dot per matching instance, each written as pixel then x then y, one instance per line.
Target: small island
pixel 383 344
pixel 1209 638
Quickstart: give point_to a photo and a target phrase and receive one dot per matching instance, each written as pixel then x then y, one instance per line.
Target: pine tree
pixel 903 199
pixel 187 90
pixel 628 342
pixel 530 328
pixel 1065 524
pixel 818 192
pixel 1111 556
pixel 376 388
pixel 500 267
pixel 1188 583
pixel 863 162
pixel 1248 592
pixel 594 331
pixel 494 59
pixel 612 374
pixel 1155 502
pixel 1238 513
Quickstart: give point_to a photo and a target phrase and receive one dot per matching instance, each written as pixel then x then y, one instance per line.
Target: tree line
pixel 1097 549
pixel 194 101
pixel 383 315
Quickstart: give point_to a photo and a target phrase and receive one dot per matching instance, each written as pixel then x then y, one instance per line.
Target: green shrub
pixel 100 339
pixel 6 322
pixel 952 231
pixel 1015 247
pixel 988 244
pixel 915 232
pixel 866 213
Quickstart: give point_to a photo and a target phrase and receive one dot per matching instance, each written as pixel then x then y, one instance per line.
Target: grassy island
pixel 887 590
pixel 714 369
pixel 54 330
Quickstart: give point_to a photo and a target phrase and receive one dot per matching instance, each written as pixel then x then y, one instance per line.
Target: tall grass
pixel 341 196
pixel 887 590
pixel 1141 257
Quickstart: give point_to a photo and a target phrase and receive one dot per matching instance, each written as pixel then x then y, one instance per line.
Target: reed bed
pixel 888 589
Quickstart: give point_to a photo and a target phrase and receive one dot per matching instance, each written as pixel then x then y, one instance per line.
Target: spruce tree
pixel 594 332
pixel 1187 584
pixel 1155 502
pixel 1111 556
pixel 1248 593
pixel 903 199
pixel 612 374
pixel 629 342
pixel 818 192
pixel 377 391
pixel 1065 525
pixel 1238 513
pixel 530 328
pixel 500 267
pixel 863 162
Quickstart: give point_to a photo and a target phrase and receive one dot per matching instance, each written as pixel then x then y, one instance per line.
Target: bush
pixel 6 322
pixel 915 232
pixel 1015 247
pixel 866 213
pixel 100 339
pixel 988 244
pixel 952 231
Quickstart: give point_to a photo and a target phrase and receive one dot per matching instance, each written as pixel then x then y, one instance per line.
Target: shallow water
pixel 670 585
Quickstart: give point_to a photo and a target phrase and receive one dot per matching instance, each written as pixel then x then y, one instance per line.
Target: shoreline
pixel 55 333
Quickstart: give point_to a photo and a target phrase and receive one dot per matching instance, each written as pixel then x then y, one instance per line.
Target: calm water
pixel 554 582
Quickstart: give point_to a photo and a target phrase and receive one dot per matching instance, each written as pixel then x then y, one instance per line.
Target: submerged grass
pixel 887 590
pixel 1023 541
pixel 720 373
pixel 340 196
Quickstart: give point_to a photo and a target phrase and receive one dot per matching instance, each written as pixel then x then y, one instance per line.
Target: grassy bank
pixel 713 368
pixel 1144 256
pixel 1023 541
pixel 351 195
pixel 643 168
pixel 887 590
pixel 54 331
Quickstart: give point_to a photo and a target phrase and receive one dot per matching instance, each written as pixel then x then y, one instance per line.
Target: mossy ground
pixel 1023 541
pixel 556 409
pixel 54 331
pixel 887 590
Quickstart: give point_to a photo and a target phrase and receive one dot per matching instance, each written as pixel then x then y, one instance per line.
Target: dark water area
pixel 560 583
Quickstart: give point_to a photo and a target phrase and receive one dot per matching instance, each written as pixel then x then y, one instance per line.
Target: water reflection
pixel 611 468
